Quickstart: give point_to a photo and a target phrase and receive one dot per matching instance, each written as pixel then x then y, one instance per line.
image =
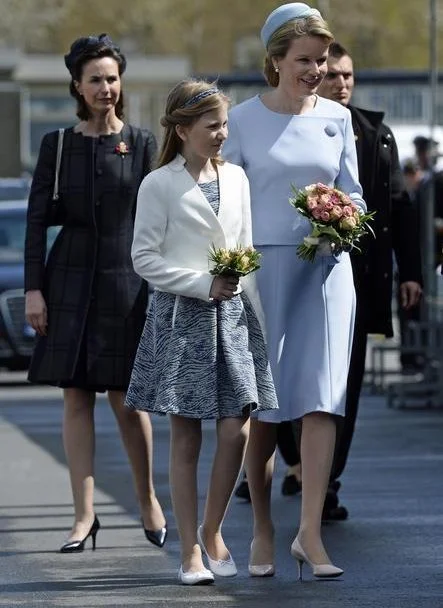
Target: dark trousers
pixel 287 444
pixel 346 424
pixel 405 317
pixel 287 431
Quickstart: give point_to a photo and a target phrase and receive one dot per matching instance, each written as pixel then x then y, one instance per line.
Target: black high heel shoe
pixel 75 546
pixel 156 537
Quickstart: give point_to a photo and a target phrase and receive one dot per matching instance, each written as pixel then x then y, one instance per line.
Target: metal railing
pixel 424 340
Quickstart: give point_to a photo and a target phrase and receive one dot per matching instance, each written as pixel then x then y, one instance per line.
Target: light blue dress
pixel 309 307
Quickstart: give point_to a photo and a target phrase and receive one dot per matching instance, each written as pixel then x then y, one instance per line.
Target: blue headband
pixel 283 14
pixel 199 96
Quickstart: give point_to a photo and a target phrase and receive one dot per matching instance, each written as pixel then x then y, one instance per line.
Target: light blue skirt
pixel 201 360
pixel 309 311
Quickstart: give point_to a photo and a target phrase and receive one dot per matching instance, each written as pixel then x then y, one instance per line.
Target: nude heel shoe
pixel 261 569
pixel 318 570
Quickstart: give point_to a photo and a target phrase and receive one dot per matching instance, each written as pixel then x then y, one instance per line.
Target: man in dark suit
pixel 395 225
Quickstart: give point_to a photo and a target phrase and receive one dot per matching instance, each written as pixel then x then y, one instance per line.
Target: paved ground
pixel 391 548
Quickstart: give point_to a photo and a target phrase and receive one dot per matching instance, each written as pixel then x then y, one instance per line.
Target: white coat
pixel 175 228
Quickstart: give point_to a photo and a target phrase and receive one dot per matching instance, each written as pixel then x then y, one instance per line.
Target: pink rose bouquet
pixel 334 218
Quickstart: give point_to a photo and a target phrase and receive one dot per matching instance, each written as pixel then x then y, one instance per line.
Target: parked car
pixel 16 336
pixel 14 188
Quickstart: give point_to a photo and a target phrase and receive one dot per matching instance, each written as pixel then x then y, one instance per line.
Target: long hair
pixel 186 103
pixel 281 39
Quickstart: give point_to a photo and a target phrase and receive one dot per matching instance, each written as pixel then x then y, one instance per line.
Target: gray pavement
pixel 391 547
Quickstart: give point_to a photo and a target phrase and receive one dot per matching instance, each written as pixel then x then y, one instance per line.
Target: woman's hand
pixel 36 312
pixel 324 247
pixel 223 287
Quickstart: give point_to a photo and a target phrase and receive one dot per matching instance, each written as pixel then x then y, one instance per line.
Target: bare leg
pixel 79 444
pixel 232 437
pixel 136 433
pixel 260 457
pixel 186 438
pixel 317 451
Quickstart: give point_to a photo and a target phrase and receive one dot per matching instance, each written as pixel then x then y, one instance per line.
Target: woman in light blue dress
pixel 290 136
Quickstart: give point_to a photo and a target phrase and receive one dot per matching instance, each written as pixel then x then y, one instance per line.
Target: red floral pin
pixel 121 149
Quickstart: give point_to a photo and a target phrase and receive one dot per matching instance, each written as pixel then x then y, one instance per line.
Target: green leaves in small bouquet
pixel 236 262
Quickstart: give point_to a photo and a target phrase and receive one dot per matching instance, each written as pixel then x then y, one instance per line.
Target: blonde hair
pixel 281 39
pixel 185 104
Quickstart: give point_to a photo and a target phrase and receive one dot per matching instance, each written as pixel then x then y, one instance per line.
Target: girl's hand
pixel 223 287
pixel 36 312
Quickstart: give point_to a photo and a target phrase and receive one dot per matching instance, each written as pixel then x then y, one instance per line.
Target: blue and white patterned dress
pixel 201 359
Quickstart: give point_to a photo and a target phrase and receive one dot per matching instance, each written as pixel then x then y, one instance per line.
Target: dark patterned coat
pixel 96 302
pixel 395 223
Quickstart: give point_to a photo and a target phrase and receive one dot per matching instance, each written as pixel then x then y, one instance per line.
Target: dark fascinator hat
pixel 82 46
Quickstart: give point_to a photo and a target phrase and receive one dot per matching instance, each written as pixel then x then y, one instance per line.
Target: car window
pixel 12 232
pixel 12 236
pixel 51 235
pixel 14 189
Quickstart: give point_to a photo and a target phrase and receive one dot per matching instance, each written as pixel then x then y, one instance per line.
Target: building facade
pixel 35 99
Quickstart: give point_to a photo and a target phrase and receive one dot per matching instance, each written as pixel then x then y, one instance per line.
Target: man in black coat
pixel 395 225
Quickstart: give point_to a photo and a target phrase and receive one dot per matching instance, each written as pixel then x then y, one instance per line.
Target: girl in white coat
pixel 202 353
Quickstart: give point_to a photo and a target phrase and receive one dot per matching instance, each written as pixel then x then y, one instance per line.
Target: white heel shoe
pixel 261 569
pixel 221 567
pixel 318 570
pixel 202 577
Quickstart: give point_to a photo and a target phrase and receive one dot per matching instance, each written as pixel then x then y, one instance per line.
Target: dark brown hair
pixel 337 50
pixel 84 50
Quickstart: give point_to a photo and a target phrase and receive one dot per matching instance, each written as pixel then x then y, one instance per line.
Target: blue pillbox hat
pixel 283 14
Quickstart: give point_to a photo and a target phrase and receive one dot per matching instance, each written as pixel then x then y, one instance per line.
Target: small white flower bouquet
pixel 236 262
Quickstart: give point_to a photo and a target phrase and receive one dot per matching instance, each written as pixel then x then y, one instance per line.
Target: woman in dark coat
pixel 86 303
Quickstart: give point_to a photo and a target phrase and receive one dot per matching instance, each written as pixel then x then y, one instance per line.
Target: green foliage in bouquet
pixel 236 262
pixel 334 217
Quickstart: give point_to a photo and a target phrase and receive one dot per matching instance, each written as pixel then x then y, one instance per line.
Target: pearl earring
pixel 276 69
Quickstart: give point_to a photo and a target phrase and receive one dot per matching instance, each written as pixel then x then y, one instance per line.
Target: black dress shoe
pixel 339 513
pixel 75 546
pixel 334 485
pixel 331 500
pixel 242 490
pixel 157 537
pixel 332 510
pixel 290 485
